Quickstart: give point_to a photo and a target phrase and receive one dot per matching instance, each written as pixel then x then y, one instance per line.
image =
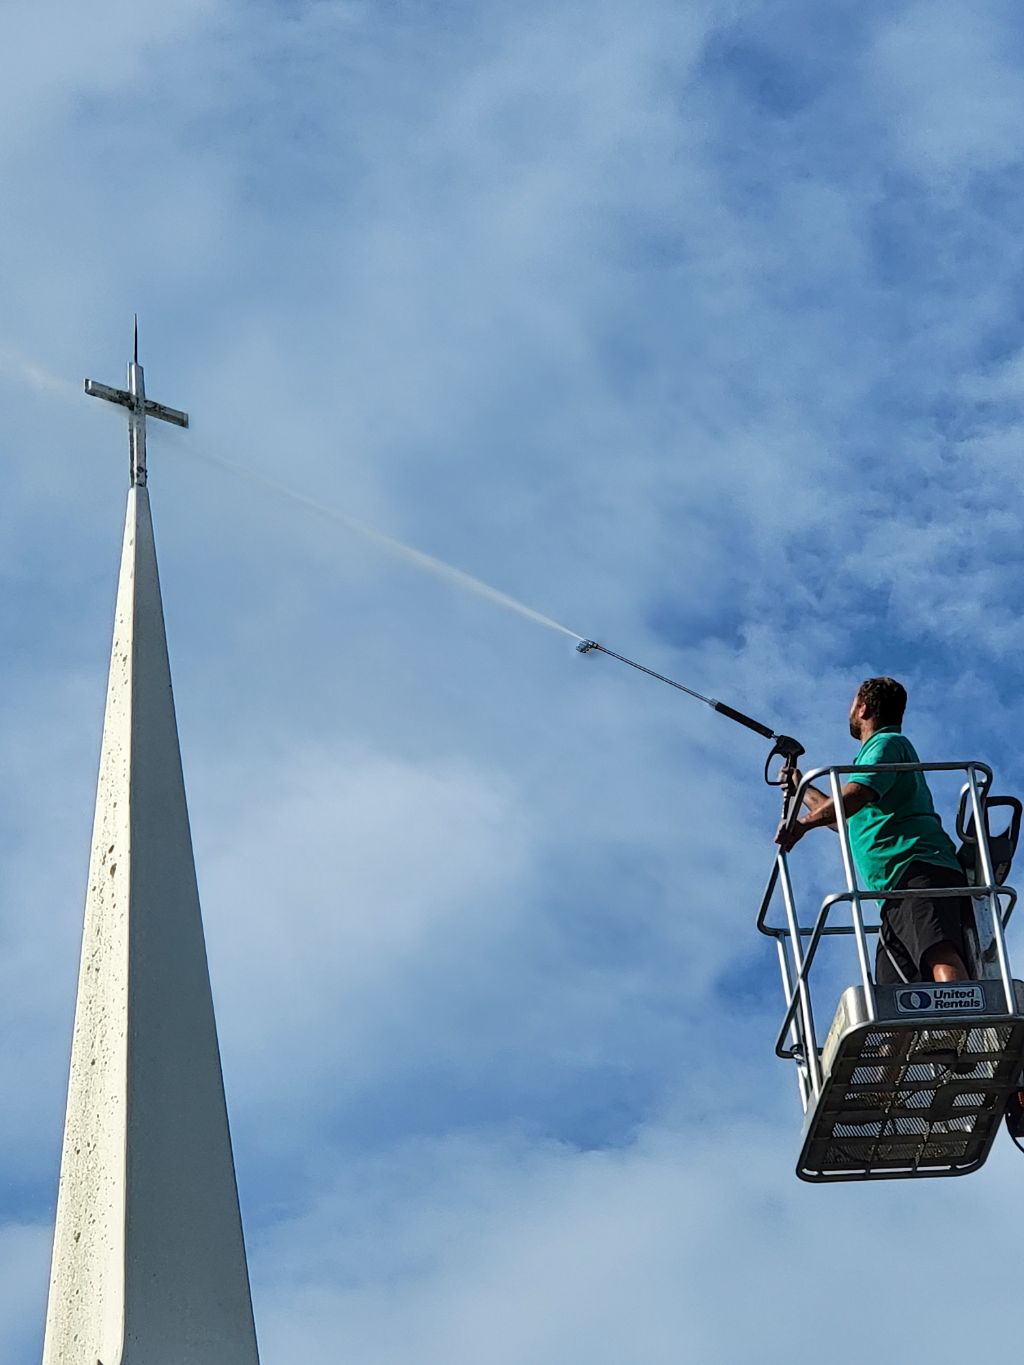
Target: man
pixel 898 844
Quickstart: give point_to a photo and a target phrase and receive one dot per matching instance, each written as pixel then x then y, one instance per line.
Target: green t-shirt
pixel 901 827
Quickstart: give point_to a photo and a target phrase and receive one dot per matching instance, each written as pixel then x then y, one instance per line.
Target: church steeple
pixel 149 1262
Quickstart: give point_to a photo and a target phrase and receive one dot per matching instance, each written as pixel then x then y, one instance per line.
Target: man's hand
pixel 822 812
pixel 787 838
pixel 790 777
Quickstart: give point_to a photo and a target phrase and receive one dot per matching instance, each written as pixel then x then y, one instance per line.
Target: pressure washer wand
pixel 786 747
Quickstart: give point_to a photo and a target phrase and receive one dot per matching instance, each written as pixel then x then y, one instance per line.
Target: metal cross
pixel 139 408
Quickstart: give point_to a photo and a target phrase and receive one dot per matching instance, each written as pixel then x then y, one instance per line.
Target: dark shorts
pixel 916 923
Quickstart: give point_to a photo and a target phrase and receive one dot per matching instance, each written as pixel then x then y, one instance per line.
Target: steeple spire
pixel 149 1262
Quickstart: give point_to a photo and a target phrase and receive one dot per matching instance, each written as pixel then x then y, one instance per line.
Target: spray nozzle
pixel 585 646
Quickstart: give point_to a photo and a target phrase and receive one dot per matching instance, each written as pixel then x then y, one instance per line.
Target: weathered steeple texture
pixel 149 1262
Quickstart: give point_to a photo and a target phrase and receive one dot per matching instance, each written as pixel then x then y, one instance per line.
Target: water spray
pixel 785 747
pixel 389 544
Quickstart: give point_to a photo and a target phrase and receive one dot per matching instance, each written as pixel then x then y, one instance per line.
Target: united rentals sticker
pixel 936 999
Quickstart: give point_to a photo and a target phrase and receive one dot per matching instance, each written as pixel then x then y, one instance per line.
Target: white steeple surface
pixel 148 1258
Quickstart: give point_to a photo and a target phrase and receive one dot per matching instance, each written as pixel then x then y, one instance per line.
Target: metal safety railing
pixel 797 943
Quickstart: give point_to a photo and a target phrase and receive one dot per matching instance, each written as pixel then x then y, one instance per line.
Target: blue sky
pixel 698 328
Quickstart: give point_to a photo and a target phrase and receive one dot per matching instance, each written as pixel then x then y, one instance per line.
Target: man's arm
pixel 812 798
pixel 822 812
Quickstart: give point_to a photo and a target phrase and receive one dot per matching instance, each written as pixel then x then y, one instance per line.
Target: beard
pixel 855 729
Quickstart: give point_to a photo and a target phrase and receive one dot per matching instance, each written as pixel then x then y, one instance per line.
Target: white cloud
pixel 508 1251
pixel 57 56
pixel 954 87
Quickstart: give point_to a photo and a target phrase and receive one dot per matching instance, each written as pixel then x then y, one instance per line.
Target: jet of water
pixel 393 546
pixel 15 366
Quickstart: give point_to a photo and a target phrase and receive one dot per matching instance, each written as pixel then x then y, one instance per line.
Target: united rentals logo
pixel 936 999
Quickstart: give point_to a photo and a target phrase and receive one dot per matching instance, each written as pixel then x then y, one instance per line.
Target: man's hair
pixel 885 698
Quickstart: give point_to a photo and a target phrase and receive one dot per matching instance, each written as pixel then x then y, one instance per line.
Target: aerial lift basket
pixel 914 1079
